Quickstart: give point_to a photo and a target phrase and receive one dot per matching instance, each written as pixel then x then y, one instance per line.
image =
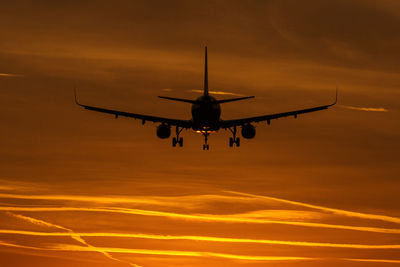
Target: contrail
pixel 374 260
pixel 9 75
pixel 7 244
pixel 365 108
pixel 180 253
pixel 180 201
pixel 70 233
pixel 206 217
pixel 62 247
pixel 335 211
pixel 216 92
pixel 203 238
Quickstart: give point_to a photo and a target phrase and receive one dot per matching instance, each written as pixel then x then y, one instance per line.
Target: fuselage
pixel 206 114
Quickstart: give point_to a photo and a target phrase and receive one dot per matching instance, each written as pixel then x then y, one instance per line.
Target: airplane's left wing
pixel 238 122
pixel 144 118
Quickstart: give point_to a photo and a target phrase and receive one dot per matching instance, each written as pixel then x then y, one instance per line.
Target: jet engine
pixel 248 131
pixel 163 131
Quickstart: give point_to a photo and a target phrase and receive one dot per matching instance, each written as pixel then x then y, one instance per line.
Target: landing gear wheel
pixel 237 142
pixel 234 140
pixel 180 142
pixel 231 142
pixel 174 142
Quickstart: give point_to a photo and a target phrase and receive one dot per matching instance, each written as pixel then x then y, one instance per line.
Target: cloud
pixel 36 221
pixel 278 214
pixel 205 217
pixel 186 201
pixel 63 247
pixel 327 209
pixel 374 260
pixel 365 108
pixel 203 238
pixel 9 75
pixel 11 185
pixel 216 92
pixel 70 233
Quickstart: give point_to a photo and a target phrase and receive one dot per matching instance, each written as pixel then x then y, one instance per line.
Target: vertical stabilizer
pixel 205 75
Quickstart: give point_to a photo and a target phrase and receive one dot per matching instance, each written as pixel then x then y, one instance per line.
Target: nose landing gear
pixel 206 146
pixel 234 140
pixel 177 140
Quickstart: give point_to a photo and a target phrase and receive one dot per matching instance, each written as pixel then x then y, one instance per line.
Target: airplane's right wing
pixel 238 122
pixel 144 118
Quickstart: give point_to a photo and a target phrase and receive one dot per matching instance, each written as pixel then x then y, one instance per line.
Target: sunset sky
pixel 80 188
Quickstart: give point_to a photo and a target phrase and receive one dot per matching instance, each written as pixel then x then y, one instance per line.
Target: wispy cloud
pixel 365 108
pixel 63 247
pixel 326 209
pixel 186 201
pixel 70 233
pixel 215 92
pixel 374 260
pixel 10 185
pixel 25 248
pixel 205 217
pixel 278 214
pixel 9 75
pixel 202 238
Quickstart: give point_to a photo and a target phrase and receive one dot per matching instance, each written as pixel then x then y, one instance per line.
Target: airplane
pixel 206 117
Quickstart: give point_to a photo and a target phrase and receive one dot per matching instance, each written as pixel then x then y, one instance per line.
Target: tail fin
pixel 205 75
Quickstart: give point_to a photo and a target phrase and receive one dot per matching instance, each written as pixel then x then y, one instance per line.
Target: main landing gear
pixel 234 140
pixel 177 139
pixel 206 146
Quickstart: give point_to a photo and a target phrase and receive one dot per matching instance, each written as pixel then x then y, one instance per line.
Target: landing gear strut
pixel 177 139
pixel 205 146
pixel 234 140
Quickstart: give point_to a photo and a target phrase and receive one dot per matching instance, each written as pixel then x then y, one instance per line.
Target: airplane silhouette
pixel 206 112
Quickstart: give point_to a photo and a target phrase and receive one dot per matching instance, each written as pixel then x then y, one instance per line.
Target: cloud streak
pixel 70 233
pixel 326 209
pixel 216 92
pixel 204 217
pixel 374 260
pixel 188 201
pixel 201 238
pixel 63 247
pixel 9 75
pixel 365 108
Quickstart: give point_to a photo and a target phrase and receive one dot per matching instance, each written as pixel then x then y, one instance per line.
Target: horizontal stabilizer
pixel 234 99
pixel 178 99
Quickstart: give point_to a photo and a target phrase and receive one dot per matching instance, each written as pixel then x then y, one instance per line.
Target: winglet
pixel 336 97
pixel 76 98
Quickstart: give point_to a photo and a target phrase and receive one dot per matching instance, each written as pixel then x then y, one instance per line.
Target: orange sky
pixel 81 188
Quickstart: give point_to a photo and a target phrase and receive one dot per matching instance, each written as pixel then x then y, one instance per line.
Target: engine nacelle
pixel 163 131
pixel 248 131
